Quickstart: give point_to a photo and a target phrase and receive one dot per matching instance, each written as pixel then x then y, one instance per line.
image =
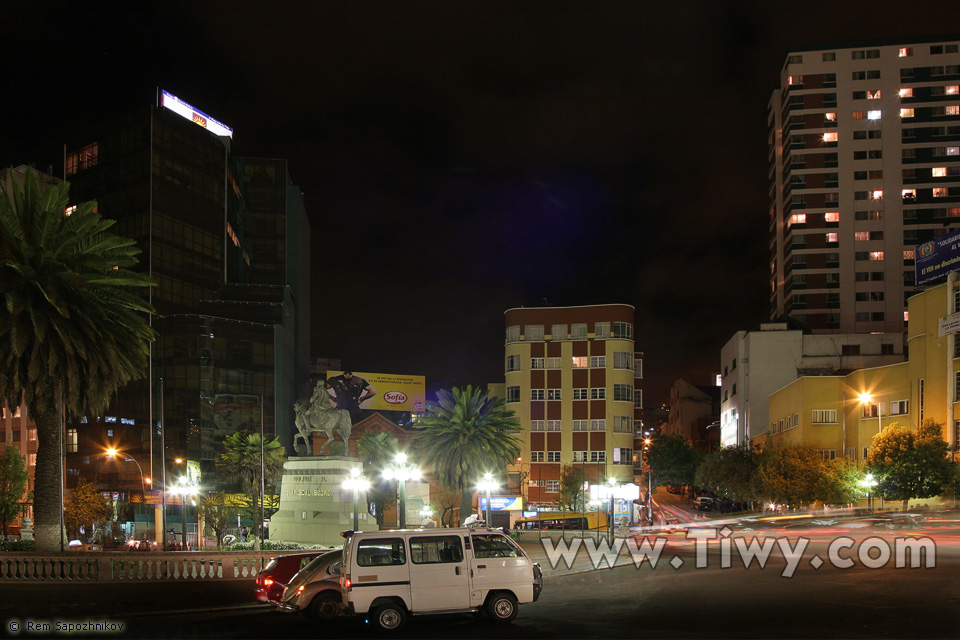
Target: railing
pixel 78 567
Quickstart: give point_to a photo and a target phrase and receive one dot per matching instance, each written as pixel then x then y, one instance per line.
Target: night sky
pixel 460 159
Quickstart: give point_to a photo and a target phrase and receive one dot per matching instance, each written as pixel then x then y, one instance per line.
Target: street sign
pixel 137 497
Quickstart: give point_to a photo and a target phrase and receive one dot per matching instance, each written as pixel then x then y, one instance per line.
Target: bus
pixel 589 520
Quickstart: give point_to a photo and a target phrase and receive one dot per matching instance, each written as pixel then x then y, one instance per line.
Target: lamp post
pixel 646 449
pixel 358 483
pixel 401 472
pixel 113 453
pixel 611 492
pixel 487 485
pixel 869 482
pixel 184 488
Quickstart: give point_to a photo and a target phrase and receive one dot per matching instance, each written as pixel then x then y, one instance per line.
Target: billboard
pixel 196 116
pixel 380 391
pixel 503 503
pixel 937 258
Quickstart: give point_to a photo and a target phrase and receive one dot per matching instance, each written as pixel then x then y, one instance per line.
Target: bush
pixel 21 545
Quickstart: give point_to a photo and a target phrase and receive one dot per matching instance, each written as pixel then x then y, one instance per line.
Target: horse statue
pixel 319 413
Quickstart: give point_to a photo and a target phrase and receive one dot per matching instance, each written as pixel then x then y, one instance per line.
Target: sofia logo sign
pixel 395 397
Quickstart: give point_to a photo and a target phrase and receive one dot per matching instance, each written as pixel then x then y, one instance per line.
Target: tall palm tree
pixel 377 451
pixel 241 462
pixel 466 433
pixel 72 329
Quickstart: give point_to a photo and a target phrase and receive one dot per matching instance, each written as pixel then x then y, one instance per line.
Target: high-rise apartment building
pixel 864 165
pixel 573 379
pixel 226 238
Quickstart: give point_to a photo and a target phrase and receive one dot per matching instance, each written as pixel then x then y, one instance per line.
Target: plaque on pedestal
pixel 314 506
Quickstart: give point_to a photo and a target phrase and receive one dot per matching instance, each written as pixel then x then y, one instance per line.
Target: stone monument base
pixel 314 506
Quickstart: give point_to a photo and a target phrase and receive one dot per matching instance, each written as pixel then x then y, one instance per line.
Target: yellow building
pixel 839 415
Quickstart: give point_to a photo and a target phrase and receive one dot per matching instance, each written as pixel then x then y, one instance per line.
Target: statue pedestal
pixel 314 506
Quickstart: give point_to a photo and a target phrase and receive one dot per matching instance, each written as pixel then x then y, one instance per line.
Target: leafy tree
pixel 72 329
pixel 571 487
pixel 672 460
pixel 839 482
pixel 86 506
pixel 466 433
pixel 216 514
pixel 791 475
pixel 911 464
pixel 730 472
pixel 241 462
pixel 13 482
pixel 377 451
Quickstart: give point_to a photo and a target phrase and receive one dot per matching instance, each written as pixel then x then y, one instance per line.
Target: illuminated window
pixel 953 151
pixel 909 193
pixel 861 236
pixel 830 116
pixel 876 255
pixel 939 192
pixel 906 52
pixel 873 95
pixel 906 113
pixel 833 237
pixel 70 442
pixel 906 92
pixel 876 195
pixel 938 172
pixel 795 80
pixel 797 218
pixel 859 115
pixel 952 110
pixel 873 115
pixel 830 136
pixel 69 210
pixel 908 254
pixel 831 216
pixel 579 362
pixel 951 89
pixel 953 212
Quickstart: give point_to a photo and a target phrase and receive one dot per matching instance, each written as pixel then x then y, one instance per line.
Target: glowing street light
pixel 113 453
pixel 867 399
pixel 868 483
pixel 184 488
pixel 358 483
pixel 401 472
pixel 487 485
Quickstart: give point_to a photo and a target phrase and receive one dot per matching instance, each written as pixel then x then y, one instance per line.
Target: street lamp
pixel 401 472
pixel 113 453
pixel 358 483
pixel 611 491
pixel 487 485
pixel 426 514
pixel 646 449
pixel 184 488
pixel 869 482
pixel 866 399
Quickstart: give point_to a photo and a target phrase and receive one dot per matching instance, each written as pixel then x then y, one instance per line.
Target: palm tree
pixel 72 330
pixel 377 451
pixel 465 434
pixel 241 462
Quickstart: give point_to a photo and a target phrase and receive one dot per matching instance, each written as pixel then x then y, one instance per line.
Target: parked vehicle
pixel 704 504
pixel 314 592
pixel 278 571
pixel 390 575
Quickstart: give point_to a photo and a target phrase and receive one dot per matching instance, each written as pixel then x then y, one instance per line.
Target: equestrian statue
pixel 319 413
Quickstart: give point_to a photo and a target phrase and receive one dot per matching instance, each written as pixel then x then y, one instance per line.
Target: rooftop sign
pixel 196 116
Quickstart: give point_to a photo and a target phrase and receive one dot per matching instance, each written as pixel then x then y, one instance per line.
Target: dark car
pixel 274 576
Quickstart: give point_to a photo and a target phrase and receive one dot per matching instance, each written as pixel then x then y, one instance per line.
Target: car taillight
pixel 345 582
pixel 267 582
pixel 300 590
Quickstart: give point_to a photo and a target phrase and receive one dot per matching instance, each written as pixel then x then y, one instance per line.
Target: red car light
pixel 267 582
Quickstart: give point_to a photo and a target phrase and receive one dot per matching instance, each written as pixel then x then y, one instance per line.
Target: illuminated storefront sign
pixel 196 116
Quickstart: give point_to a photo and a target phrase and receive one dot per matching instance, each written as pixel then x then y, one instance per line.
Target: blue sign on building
pixel 937 258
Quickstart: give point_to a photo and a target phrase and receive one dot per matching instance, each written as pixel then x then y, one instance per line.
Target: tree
pixel 730 472
pixel 446 502
pixel 839 482
pixel 571 487
pixel 13 482
pixel 216 514
pixel 377 451
pixel 672 460
pixel 790 475
pixel 72 329
pixel 86 507
pixel 241 462
pixel 466 433
pixel 911 464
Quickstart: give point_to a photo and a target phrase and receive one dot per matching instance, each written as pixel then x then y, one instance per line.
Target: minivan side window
pixel 492 546
pixel 379 552
pixel 435 549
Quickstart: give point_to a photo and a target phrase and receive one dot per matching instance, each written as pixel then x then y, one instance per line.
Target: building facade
pixel 864 164
pixel 694 414
pixel 840 414
pixel 226 239
pixel 754 364
pixel 573 377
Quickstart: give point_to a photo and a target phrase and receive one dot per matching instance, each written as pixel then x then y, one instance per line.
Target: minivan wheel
pixel 325 607
pixel 502 607
pixel 388 617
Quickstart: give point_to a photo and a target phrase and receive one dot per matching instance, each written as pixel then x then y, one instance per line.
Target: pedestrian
pixel 243 534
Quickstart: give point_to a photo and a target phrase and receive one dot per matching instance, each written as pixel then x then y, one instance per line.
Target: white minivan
pixel 388 575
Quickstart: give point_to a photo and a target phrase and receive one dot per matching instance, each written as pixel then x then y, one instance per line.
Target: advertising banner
pixel 193 114
pixel 937 258
pixel 377 391
pixel 502 503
